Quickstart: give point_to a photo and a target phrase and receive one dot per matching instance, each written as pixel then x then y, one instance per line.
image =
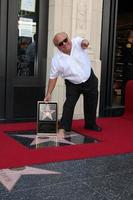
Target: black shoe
pixel 94 127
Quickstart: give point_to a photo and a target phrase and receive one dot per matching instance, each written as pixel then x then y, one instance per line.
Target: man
pixel 30 55
pixel 72 63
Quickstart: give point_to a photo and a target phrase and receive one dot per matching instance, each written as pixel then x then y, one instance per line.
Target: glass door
pixel 26 54
pixel 27 37
pixel 117 22
pixel 123 52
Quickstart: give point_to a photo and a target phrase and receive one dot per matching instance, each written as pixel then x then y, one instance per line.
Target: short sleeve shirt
pixel 75 67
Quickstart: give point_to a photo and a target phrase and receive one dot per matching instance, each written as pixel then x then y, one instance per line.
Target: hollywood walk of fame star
pixel 47 138
pixel 9 177
pixel 25 136
pixel 39 140
pixel 46 112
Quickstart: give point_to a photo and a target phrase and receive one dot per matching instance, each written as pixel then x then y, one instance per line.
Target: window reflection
pixel 27 37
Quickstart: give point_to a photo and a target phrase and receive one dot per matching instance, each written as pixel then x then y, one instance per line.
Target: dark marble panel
pixel 127 193
pixel 74 190
pixel 27 179
pixel 103 178
pixel 114 187
pixel 30 139
pixel 97 166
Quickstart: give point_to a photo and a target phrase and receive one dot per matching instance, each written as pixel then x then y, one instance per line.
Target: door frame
pixel 8 60
pixel 108 38
pixel 3 49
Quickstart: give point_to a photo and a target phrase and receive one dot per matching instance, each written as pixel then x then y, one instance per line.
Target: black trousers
pixel 89 89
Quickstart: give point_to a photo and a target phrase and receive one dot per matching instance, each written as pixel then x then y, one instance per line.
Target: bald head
pixel 62 42
pixel 57 37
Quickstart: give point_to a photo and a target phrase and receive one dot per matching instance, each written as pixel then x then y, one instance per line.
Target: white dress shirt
pixel 75 67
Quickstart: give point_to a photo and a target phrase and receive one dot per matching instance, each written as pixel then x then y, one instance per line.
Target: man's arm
pixel 51 86
pixel 84 44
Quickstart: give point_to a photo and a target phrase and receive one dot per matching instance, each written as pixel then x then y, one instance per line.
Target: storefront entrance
pixel 117 22
pixel 23 42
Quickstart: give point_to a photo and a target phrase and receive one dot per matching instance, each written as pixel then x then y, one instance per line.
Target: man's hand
pixel 47 98
pixel 84 44
pixel 51 85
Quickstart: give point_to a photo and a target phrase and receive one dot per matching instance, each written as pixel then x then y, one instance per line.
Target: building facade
pixel 33 23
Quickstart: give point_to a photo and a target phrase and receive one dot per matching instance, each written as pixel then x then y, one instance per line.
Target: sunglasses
pixel 60 44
